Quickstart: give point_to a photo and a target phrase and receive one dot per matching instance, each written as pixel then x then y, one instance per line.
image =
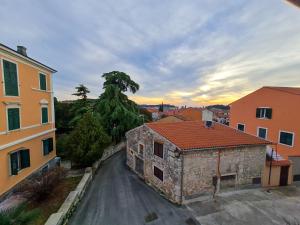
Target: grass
pixel 54 201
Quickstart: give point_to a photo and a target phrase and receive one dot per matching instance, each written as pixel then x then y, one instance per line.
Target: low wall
pixel 62 216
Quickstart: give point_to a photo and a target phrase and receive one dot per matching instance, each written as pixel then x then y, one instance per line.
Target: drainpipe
pixel 181 183
pixel 218 172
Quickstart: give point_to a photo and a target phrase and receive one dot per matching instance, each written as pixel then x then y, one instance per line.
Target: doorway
pixel 284 175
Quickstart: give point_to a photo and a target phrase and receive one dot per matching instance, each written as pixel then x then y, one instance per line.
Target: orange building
pixel 27 124
pixel 272 113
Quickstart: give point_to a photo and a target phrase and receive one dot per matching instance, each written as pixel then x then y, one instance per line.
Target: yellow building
pixel 27 123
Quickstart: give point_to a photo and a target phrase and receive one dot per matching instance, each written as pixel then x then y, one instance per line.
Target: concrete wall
pixel 171 166
pixel 296 164
pixel 201 166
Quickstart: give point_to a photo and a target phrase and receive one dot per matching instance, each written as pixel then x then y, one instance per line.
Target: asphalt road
pixel 118 197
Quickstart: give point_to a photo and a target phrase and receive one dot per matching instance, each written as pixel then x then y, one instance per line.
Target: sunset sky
pixel 181 52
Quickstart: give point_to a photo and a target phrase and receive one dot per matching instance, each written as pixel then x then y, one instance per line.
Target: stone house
pixel 184 160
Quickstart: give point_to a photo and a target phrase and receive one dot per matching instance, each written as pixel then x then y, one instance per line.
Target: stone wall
pixel 241 164
pixel 169 164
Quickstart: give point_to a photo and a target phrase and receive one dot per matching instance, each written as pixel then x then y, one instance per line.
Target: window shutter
pixel 13 118
pixel 25 158
pixel 44 115
pixel 45 147
pixel 14 164
pixel 10 78
pixel 50 144
pixel 269 113
pixel 43 85
pixel 257 113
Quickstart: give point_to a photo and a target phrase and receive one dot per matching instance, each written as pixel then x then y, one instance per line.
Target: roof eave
pixel 222 147
pixel 12 51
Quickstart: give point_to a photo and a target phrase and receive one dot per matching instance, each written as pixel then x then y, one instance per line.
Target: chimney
pixel 21 50
pixel 207 118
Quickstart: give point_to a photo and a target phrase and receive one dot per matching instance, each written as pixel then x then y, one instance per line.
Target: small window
pixel 262 132
pixel 159 149
pixel 141 149
pixel 265 113
pixel 158 173
pixel 256 180
pixel 45 115
pixel 286 138
pixel 13 118
pixel 43 82
pixel 47 146
pixel 241 127
pixel 19 160
pixel 10 78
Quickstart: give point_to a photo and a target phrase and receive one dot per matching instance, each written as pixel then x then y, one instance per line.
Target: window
pixel 19 160
pixel 158 173
pixel 159 149
pixel 10 78
pixel 44 114
pixel 286 138
pixel 47 146
pixel 262 132
pixel 141 149
pixel 241 127
pixel 265 113
pixel 43 83
pixel 13 118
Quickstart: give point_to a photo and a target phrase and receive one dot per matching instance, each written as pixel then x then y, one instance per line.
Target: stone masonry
pixel 191 173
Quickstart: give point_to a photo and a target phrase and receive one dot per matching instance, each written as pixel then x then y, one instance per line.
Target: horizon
pixel 184 53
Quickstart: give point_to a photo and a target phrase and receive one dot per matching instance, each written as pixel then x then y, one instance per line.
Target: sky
pixel 191 52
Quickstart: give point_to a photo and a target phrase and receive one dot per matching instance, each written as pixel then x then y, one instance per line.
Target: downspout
pixel 181 185
pixel 218 172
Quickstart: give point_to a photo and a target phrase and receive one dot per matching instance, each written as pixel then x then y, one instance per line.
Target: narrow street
pixel 119 197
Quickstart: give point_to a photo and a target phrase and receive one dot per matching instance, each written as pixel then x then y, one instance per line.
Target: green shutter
pixel 50 144
pixel 43 84
pixel 44 115
pixel 25 158
pixel 10 78
pixel 13 118
pixel 45 147
pixel 14 163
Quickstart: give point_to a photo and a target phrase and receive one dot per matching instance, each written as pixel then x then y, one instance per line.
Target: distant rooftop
pixel 194 135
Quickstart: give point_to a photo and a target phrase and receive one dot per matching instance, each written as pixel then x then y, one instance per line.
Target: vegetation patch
pixel 151 217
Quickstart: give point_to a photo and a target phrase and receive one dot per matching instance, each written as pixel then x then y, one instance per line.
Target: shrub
pixel 39 188
pixel 18 216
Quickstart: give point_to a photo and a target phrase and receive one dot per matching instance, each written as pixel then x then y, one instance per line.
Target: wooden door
pixel 284 175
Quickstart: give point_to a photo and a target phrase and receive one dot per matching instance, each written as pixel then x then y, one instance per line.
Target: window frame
pixel 49 152
pixel 159 142
pixel 46 83
pixel 257 132
pixel 264 114
pixel 155 166
pixel 3 79
pixel 20 169
pixel 237 127
pixel 46 107
pixel 139 148
pixel 13 106
pixel 289 132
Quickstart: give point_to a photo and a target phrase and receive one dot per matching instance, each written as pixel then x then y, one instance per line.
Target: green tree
pixel 119 113
pixel 63 115
pixel 88 140
pixel 80 106
pixel 81 92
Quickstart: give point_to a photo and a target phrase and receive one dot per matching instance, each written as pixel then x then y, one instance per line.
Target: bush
pixel 87 141
pixel 18 216
pixel 40 187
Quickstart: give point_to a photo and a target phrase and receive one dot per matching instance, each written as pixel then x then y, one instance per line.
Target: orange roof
pixel 191 114
pixel 152 110
pixel 173 118
pixel 194 135
pixel 291 90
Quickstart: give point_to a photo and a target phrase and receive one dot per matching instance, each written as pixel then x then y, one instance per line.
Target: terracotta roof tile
pixel 194 135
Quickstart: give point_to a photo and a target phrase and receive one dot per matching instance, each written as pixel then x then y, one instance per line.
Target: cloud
pixel 181 52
